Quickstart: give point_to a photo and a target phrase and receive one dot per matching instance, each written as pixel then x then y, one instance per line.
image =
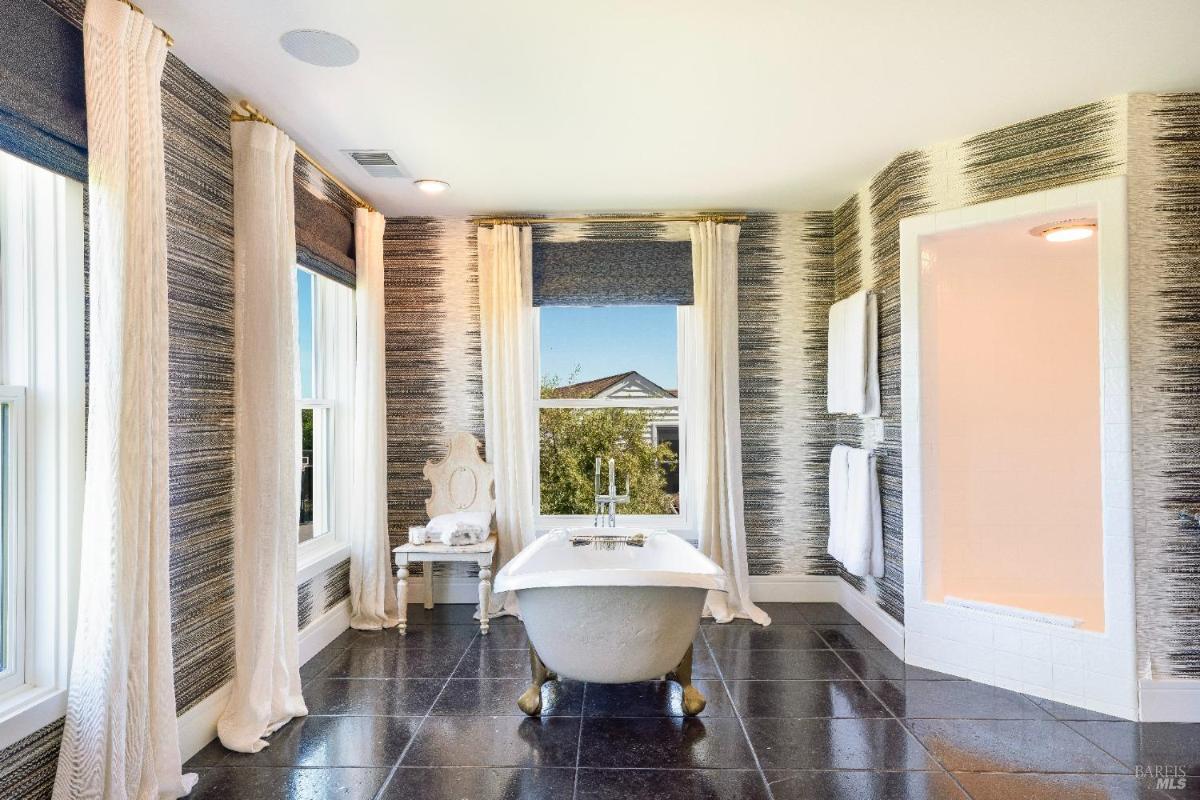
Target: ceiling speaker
pixel 321 48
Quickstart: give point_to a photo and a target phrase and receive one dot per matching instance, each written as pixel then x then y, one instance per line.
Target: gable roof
pixel 586 390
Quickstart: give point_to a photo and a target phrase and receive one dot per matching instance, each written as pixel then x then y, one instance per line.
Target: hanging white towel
pixel 855 516
pixel 852 383
pixel 839 472
pixel 863 548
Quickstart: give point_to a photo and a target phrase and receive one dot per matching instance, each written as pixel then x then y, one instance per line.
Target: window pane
pixel 572 438
pixel 307 499
pixel 304 316
pixel 581 347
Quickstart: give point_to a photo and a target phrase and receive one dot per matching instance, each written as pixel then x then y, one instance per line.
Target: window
pixel 325 349
pixel 12 576
pixel 608 378
pixel 41 439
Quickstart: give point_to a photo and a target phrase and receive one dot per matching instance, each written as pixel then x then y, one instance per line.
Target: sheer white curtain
pixel 121 738
pixel 372 593
pixel 509 384
pixel 266 682
pixel 708 342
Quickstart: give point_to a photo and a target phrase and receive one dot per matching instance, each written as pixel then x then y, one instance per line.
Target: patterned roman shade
pixel 324 225
pixel 42 108
pixel 612 272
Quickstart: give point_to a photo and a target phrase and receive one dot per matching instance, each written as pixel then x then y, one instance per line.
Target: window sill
pixel 316 556
pixel 29 709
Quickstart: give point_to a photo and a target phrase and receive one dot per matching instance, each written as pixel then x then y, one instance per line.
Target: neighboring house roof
pixel 630 383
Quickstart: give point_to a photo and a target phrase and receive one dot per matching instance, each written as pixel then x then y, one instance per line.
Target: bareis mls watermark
pixel 1163 776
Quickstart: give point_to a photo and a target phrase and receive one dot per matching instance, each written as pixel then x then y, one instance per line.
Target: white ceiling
pixel 532 105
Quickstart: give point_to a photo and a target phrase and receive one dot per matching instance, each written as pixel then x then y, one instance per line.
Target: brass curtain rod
pixel 170 39
pixel 637 218
pixel 251 114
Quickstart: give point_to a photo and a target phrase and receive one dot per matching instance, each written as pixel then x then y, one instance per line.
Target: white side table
pixel 481 554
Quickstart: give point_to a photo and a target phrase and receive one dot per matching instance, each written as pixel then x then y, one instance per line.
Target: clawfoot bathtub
pixel 610 605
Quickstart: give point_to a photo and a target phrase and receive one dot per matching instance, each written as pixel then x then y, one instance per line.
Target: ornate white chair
pixel 461 481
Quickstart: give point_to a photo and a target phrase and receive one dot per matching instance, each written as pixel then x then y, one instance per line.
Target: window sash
pixel 676 523
pixel 13 533
pixel 320 467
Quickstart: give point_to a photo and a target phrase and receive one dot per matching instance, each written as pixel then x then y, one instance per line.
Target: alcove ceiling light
pixel 319 48
pixel 1070 230
pixel 431 185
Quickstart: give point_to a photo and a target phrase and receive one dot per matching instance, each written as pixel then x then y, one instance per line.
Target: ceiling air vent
pixel 378 163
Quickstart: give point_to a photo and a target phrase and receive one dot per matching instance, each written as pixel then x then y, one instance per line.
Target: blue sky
pixel 609 340
pixel 304 296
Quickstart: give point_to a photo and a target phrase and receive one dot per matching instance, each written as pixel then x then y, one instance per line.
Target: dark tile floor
pixel 811 707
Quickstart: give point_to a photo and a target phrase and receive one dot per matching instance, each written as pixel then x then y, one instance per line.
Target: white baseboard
pixel 1169 700
pixel 886 629
pixel 793 589
pixel 323 630
pixel 198 725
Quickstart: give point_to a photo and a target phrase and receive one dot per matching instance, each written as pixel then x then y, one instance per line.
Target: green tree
pixel 570 440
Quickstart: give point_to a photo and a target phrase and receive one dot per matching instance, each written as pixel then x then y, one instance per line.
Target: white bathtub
pixel 611 615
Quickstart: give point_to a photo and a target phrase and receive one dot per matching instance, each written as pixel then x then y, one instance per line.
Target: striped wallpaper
pixel 200 306
pixel 1155 141
pixel 792 266
pixel 1164 245
pixel 434 369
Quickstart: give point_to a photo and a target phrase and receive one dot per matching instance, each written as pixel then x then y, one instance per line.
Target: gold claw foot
pixel 531 701
pixel 693 699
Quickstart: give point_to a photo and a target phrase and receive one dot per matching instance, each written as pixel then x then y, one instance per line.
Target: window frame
pixel 42 316
pixel 14 547
pixel 329 544
pixel 680 524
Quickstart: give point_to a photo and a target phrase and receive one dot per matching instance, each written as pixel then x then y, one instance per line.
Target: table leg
pixel 402 597
pixel 427 573
pixel 485 594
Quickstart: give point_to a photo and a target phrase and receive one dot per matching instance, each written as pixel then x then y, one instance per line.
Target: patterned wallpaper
pixel 1164 244
pixel 200 303
pixel 1155 141
pixel 1067 147
pixel 434 370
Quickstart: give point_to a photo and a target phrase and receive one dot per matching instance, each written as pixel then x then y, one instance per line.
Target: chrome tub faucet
pixel 612 499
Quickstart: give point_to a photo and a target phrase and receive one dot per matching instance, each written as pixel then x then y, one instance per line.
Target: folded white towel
pixel 839 472
pixel 864 518
pixel 855 516
pixel 852 381
pixel 461 527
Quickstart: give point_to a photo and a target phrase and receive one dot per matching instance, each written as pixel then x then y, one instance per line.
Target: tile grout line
pixel 579 741
pixel 738 715
pixel 392 774
pixel 903 727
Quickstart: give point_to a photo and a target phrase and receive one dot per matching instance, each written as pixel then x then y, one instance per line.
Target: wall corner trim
pixel 1169 699
pixel 198 725
pixel 881 625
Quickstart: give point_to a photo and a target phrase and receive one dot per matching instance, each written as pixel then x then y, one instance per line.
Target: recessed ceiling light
pixel 1070 230
pixel 320 48
pixel 431 185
